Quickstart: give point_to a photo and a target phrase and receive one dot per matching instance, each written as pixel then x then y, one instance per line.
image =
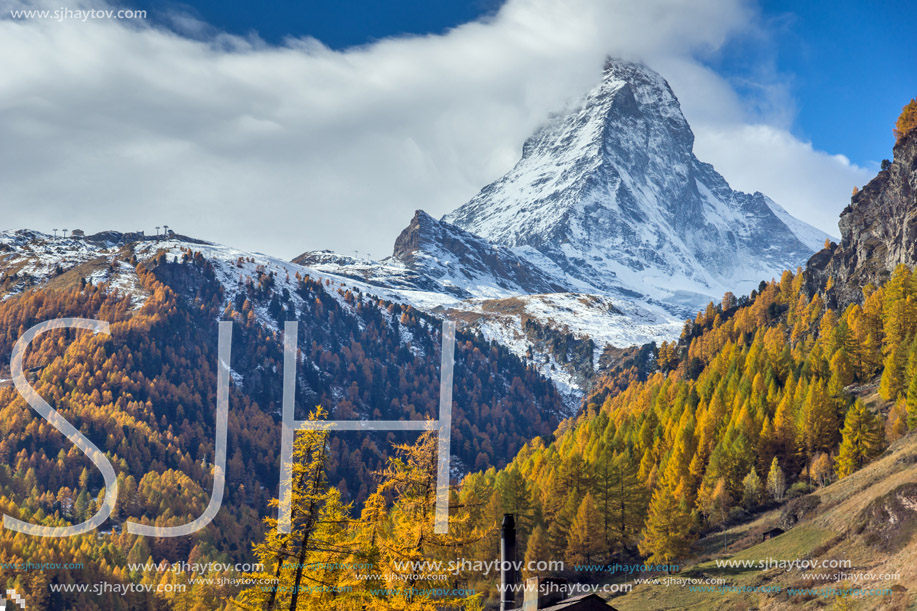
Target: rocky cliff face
pixel 878 231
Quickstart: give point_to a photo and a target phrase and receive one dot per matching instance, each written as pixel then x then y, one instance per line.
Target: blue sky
pixel 337 23
pixel 848 65
pixel 851 67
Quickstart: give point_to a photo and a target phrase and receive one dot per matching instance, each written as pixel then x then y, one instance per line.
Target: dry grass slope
pixel 868 518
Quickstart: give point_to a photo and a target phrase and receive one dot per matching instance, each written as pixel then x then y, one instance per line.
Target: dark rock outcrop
pixel 890 521
pixel 797 510
pixel 878 229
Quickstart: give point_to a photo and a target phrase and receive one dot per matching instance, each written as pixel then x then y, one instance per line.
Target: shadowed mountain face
pixel 878 229
pixel 472 256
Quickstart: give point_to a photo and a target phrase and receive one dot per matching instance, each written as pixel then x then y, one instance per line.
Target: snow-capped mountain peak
pixel 610 193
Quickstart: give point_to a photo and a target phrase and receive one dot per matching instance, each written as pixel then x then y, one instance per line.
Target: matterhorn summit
pixel 610 194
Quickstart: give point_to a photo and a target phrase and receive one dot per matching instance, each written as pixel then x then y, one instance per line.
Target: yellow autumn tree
pixel 819 422
pixel 399 539
pixel 907 120
pixel 584 543
pixel 667 535
pixel 862 439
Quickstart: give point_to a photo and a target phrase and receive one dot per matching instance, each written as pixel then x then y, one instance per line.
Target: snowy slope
pixel 30 259
pixel 604 321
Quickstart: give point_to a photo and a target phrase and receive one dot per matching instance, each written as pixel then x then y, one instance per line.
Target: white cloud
pixel 111 124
